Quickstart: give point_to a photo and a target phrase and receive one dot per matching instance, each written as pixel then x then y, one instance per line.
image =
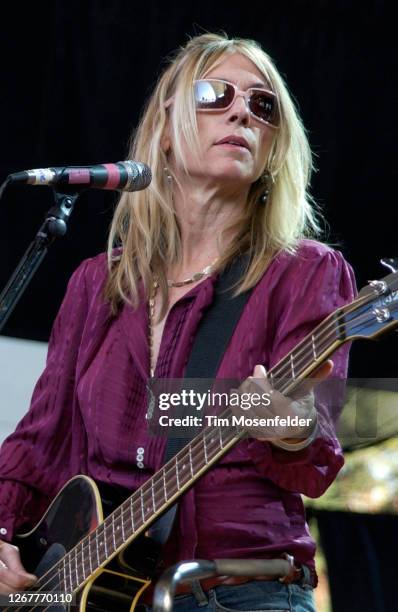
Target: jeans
pixel 254 596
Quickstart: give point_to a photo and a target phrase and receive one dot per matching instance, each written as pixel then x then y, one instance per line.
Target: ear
pixel 165 141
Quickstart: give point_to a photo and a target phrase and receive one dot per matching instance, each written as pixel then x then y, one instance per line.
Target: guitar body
pixel 77 511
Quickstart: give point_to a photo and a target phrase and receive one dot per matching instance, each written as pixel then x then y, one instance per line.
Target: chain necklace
pixel 151 327
pixel 152 302
pixel 195 277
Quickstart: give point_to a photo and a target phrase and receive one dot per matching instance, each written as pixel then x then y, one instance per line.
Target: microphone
pixel 124 176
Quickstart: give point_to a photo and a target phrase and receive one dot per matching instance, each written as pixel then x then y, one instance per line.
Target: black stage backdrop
pixel 76 73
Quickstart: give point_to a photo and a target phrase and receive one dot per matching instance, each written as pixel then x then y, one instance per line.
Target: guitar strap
pixel 214 333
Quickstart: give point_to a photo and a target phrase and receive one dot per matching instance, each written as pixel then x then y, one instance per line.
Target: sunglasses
pixel 219 95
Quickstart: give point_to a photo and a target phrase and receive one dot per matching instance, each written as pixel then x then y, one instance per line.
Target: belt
pixel 210 583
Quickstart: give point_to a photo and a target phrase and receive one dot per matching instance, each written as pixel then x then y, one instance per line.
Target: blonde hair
pixel 145 223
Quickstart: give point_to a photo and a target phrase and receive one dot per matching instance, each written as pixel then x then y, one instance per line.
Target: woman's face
pixel 232 164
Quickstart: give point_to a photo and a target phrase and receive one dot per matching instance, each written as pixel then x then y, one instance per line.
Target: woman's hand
pixel 281 409
pixel 13 576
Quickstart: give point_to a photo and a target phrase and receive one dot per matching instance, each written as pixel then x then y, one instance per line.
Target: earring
pixel 267 181
pixel 167 173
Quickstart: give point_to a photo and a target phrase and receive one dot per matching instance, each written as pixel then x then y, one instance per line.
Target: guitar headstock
pixel 375 311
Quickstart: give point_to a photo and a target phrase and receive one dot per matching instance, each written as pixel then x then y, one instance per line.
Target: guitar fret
pixel 142 507
pixel 89 554
pixel 97 549
pixel 76 571
pixel 113 531
pixel 164 484
pixel 82 555
pixel 122 523
pixel 220 437
pixel 190 460
pixel 178 480
pixel 205 449
pixel 132 513
pixel 65 577
pixel 292 366
pixel 314 347
pixel 119 531
pixel 153 496
pixel 105 546
pixel 70 573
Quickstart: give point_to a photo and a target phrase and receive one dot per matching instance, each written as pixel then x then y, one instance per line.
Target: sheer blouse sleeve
pixel 314 288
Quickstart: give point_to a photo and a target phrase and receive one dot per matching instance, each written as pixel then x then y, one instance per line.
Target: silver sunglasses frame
pixel 244 94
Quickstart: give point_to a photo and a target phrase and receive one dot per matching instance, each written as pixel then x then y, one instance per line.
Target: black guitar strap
pixel 214 333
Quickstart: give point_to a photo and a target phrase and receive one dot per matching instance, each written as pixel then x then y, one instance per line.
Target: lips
pixel 237 141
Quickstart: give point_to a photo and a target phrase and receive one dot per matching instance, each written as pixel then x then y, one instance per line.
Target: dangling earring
pixel 167 173
pixel 267 181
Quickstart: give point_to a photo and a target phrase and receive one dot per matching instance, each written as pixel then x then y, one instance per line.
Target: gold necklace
pixel 151 326
pixel 195 277
pixel 152 301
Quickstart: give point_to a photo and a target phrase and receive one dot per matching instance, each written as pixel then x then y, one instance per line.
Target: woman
pixel 230 164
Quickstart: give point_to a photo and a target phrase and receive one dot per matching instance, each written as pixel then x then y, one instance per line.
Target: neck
pixel 203 212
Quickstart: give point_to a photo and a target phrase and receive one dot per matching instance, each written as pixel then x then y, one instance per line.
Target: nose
pixel 239 111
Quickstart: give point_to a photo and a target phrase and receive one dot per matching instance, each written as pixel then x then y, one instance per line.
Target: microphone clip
pixel 55 223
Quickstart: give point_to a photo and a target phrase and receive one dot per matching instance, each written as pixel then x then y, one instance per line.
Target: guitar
pixel 74 549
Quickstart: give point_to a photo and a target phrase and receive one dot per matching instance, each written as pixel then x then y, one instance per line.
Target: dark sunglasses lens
pixel 263 105
pixel 213 94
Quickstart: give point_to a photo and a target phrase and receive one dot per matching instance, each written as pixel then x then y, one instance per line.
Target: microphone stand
pixel 55 224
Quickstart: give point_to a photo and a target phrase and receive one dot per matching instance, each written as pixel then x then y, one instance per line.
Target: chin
pixel 234 172
pixel 239 178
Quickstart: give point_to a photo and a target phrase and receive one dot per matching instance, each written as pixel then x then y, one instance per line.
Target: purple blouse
pixel 88 410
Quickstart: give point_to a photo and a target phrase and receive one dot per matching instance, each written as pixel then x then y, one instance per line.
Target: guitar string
pixel 200 440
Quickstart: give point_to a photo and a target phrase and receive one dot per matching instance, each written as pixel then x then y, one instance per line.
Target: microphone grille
pixel 139 175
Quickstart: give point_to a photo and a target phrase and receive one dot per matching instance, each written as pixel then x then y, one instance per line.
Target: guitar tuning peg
pixel 378 286
pixel 390 262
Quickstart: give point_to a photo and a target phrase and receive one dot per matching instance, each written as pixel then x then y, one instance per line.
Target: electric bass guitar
pixel 75 549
